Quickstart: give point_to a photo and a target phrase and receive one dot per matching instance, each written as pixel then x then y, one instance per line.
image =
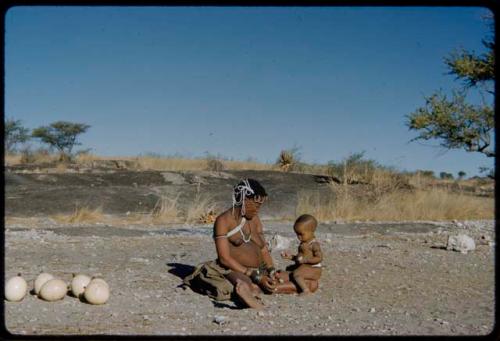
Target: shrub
pixel 288 159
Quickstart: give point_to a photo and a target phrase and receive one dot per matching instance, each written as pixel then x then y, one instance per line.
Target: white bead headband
pixel 242 191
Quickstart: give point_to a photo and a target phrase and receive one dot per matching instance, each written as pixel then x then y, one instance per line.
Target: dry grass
pixel 165 211
pixel 202 210
pixel 82 215
pixel 182 164
pixel 12 159
pixel 399 205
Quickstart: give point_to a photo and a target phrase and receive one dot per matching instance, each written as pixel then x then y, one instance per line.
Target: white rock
pixel 278 242
pixel 220 319
pixel 461 243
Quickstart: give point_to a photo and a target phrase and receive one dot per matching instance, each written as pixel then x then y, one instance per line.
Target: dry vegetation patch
pixel 399 205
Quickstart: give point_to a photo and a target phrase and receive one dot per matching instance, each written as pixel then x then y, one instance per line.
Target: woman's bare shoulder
pixel 224 222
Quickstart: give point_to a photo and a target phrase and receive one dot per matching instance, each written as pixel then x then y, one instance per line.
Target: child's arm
pixel 317 256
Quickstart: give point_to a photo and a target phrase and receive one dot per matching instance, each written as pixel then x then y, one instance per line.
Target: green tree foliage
pixel 61 135
pixel 425 173
pixel 445 175
pixel 452 121
pixel 461 174
pixel 15 133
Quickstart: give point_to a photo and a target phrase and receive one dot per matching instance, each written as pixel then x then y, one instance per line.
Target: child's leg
pixel 306 278
pixel 312 284
pixel 284 286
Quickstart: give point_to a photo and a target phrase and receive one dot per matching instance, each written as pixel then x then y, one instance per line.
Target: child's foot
pixel 305 292
pixel 245 293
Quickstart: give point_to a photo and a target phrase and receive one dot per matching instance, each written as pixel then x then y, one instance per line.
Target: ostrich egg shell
pixel 53 290
pixel 40 280
pixel 15 289
pixel 96 292
pixel 100 280
pixel 78 284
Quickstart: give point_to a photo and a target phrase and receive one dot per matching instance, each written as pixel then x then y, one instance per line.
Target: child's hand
pixel 286 255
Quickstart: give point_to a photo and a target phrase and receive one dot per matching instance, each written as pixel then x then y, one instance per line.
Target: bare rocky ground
pixel 380 279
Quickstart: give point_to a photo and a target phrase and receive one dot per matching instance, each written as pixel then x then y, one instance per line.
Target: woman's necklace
pixel 243 235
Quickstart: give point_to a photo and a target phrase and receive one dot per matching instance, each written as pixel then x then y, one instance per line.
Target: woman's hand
pixel 267 284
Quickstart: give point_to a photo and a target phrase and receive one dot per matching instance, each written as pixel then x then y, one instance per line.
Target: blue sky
pixel 240 81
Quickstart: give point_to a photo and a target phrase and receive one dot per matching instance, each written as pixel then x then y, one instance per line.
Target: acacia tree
pixel 62 136
pixel 455 123
pixel 14 133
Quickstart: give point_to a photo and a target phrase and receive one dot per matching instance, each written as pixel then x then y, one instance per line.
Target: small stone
pixel 220 319
pixel 372 310
pixel 261 313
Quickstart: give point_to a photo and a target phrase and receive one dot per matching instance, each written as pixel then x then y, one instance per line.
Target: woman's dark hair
pixel 258 189
pixel 245 187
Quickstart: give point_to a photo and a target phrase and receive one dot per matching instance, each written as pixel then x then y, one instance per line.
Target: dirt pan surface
pixel 380 279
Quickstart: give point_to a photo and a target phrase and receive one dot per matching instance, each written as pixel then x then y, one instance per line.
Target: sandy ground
pixel 380 279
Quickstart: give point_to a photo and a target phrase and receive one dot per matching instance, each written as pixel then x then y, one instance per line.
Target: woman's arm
pixel 222 247
pixel 261 241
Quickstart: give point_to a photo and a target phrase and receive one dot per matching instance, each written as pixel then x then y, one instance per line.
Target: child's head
pixel 304 227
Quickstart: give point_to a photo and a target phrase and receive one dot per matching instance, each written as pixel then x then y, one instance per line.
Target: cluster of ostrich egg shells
pixel 47 287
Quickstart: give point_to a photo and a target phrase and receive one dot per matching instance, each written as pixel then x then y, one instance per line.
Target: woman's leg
pixel 243 287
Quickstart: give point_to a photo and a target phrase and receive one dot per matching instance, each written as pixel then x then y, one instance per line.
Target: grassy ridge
pixel 385 193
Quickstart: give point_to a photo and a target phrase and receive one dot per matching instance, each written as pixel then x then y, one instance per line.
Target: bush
pixel 289 159
pixel 445 175
pixel 214 163
pixel 353 169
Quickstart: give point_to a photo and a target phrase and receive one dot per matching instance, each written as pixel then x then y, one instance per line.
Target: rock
pixel 372 310
pixel 485 240
pixel 173 178
pixel 461 243
pixel 219 319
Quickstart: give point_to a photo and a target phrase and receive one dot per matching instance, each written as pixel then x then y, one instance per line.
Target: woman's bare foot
pixel 255 289
pixel 245 293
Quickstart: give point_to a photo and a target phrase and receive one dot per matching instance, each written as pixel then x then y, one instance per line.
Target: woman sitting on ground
pixel 244 267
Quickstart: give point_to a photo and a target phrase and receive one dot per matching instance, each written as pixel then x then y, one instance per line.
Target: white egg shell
pixel 40 280
pixel 97 292
pixel 100 280
pixel 53 290
pixel 78 284
pixel 15 289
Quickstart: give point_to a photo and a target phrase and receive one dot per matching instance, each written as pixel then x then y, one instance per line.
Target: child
pixel 307 266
